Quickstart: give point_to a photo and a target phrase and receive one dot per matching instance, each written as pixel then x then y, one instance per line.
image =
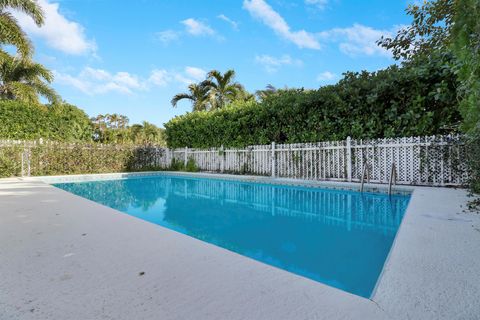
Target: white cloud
pixel 223 17
pixel 167 36
pixel 272 64
pixel 72 81
pixel 59 32
pixel 97 81
pixel 188 76
pixel 195 73
pixel 159 77
pixel 96 74
pixel 93 81
pixel 326 76
pixel 197 28
pixel 127 80
pixel 357 40
pixel 320 4
pixel 264 12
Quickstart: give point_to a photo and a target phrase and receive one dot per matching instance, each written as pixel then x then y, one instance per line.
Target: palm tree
pixel 244 95
pixel 123 121
pixel 10 31
pixel 198 95
pixel 25 80
pixel 267 92
pixel 222 88
pixel 114 118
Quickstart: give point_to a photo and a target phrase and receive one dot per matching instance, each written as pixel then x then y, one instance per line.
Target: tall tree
pixel 114 118
pixel 222 88
pixel 123 121
pixel 10 31
pixel 429 31
pixel 267 92
pixel 466 47
pixel 25 80
pixel 197 94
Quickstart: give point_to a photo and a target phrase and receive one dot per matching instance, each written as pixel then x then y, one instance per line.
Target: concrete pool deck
pixel 65 257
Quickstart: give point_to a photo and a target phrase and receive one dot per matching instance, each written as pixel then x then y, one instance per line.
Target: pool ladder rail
pixel 365 170
pixel 392 180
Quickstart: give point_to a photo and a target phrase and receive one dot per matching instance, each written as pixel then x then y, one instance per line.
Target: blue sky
pixel 131 57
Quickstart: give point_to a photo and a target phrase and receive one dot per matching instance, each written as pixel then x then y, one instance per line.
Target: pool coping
pixel 421 267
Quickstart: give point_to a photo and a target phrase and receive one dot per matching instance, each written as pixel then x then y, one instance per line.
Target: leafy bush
pixel 58 122
pixel 474 160
pixel 53 158
pixel 177 165
pixel 191 166
pixel 10 161
pixel 413 100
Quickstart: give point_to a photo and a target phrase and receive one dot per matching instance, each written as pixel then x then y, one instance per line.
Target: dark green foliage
pixel 429 31
pixel 177 165
pixel 398 101
pixel 59 122
pixel 57 158
pixel 474 160
pixel 114 128
pixel 466 47
pixel 191 166
pixel 65 122
pixel 438 27
pixel 10 161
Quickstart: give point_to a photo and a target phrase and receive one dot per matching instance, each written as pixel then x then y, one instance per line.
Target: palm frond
pixel 11 33
pixel 25 80
pixel 228 77
pixel 180 96
pixel 22 92
pixel 29 7
pixel 45 91
pixel 32 70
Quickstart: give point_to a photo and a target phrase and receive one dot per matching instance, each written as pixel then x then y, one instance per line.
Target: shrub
pixel 54 158
pixel 413 100
pixel 58 122
pixel 191 166
pixel 474 160
pixel 177 165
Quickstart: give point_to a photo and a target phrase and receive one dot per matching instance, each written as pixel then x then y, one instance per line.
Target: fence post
pixel 186 157
pixel 222 159
pixel 23 163
pixel 349 159
pixel 273 160
pixel 28 160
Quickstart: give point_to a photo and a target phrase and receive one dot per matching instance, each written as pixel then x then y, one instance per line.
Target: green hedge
pixel 59 122
pixel 408 101
pixel 52 158
pixel 473 143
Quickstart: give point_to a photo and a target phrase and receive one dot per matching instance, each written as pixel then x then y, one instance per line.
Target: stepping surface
pixel 64 257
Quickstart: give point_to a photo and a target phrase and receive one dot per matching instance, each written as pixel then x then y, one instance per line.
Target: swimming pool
pixel 338 237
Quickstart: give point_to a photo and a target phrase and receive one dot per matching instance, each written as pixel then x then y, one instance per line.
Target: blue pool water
pixel 340 238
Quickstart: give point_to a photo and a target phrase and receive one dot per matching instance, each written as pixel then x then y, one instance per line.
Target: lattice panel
pixel 435 160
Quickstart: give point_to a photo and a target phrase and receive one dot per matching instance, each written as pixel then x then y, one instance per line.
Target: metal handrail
pixel 393 173
pixel 366 169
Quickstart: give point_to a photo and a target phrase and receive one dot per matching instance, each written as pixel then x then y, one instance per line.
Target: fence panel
pixel 433 160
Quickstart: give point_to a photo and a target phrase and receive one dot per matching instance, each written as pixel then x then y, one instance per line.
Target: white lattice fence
pixel 435 160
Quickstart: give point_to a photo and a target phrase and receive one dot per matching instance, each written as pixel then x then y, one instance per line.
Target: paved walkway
pixel 65 257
